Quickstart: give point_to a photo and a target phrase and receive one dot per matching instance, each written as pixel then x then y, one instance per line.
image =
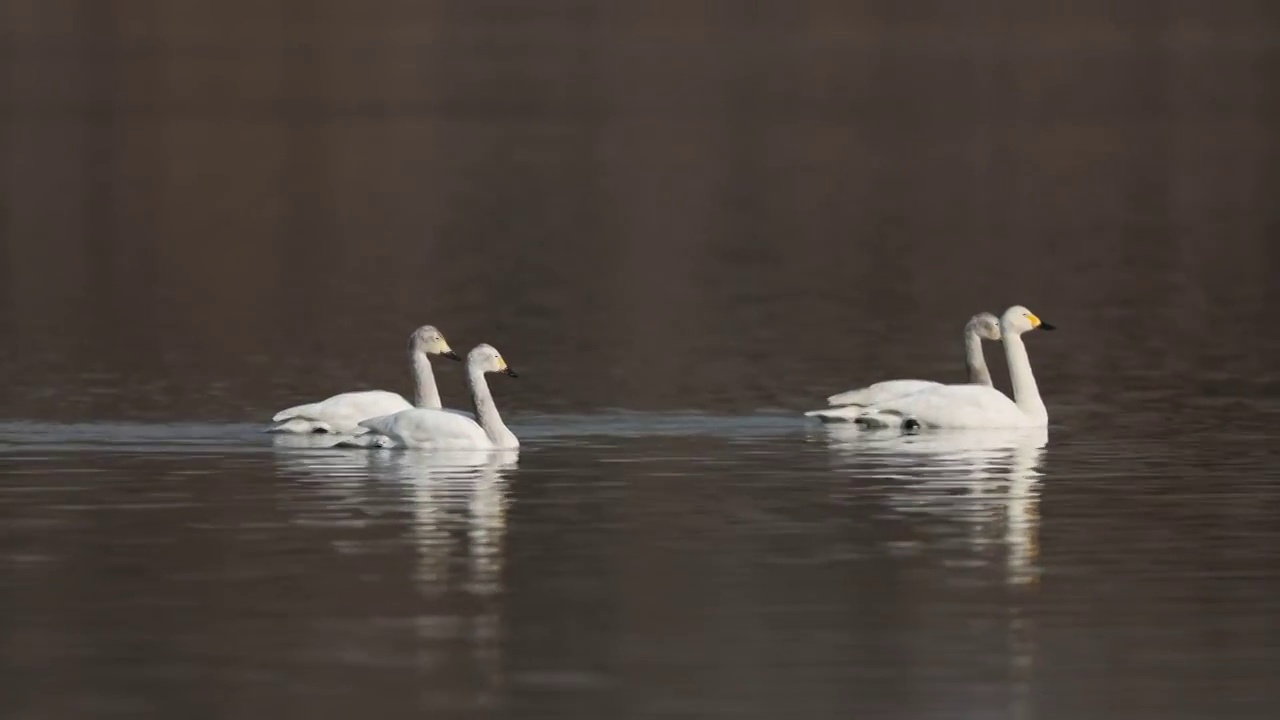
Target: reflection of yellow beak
pixel 1035 321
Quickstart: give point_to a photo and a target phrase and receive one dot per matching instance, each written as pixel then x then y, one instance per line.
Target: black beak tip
pixel 451 355
pixel 510 372
pixel 1047 326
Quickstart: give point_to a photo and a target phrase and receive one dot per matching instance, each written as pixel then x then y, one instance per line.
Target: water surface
pixel 683 226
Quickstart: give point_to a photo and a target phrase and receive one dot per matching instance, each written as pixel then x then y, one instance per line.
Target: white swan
pixel 444 430
pixel 342 413
pixel 847 406
pixel 974 406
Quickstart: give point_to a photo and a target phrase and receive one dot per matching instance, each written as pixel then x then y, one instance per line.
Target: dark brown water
pixel 683 225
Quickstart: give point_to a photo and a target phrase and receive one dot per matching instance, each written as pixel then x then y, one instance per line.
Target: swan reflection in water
pixel 458 501
pixel 987 479
pixel 459 494
pixel 970 476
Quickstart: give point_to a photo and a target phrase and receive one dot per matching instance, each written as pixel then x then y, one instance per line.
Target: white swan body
pixel 431 429
pixel 974 406
pixel 950 406
pixel 847 406
pixel 341 414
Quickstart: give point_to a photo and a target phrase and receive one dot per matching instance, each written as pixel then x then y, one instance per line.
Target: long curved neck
pixel 425 394
pixel 974 361
pixel 1025 392
pixel 487 411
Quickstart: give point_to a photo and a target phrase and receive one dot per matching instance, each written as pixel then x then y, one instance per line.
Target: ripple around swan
pixel 135 437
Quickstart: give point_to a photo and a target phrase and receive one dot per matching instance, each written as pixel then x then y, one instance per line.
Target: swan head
pixel 985 325
pixel 486 358
pixel 430 341
pixel 1018 320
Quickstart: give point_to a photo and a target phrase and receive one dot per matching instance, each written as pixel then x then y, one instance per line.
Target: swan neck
pixel 486 410
pixel 974 360
pixel 425 393
pixel 1025 392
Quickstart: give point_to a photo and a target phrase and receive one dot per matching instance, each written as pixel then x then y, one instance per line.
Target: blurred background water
pixel 683 224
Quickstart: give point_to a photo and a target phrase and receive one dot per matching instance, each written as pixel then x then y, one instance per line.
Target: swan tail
pixel 847 413
pixel 849 397
pixel 299 426
pixel 879 419
pixel 295 411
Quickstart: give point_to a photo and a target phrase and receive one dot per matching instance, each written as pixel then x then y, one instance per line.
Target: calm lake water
pixel 683 228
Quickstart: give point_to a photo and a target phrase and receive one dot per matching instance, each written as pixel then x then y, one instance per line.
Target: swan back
pixel 339 414
pixel 950 406
pixel 429 429
pixel 846 402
